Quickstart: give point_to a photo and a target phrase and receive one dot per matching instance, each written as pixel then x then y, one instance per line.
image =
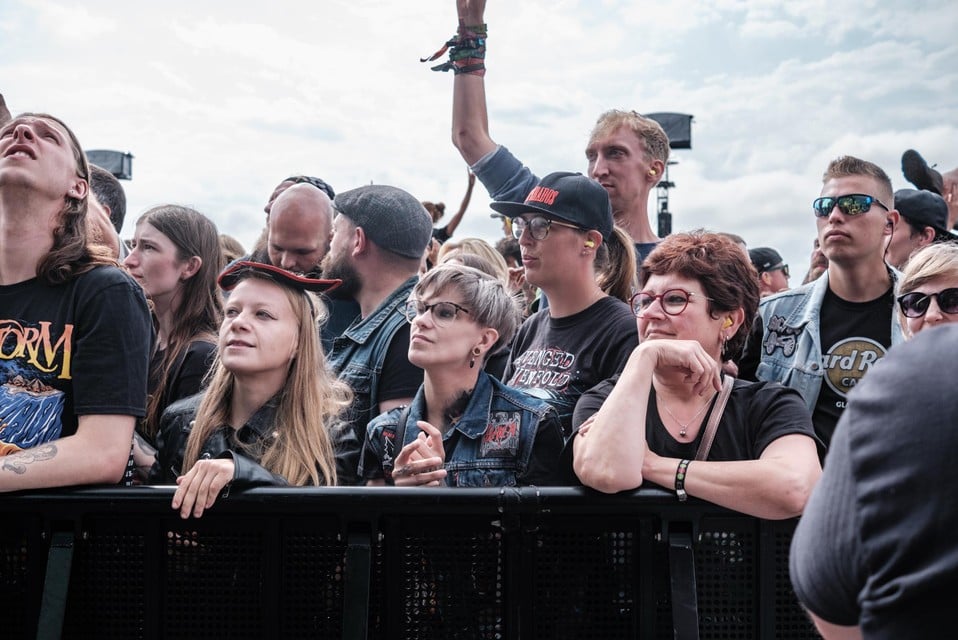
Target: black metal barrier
pixel 392 563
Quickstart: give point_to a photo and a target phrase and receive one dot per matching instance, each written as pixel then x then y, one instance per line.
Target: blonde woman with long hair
pixel 265 415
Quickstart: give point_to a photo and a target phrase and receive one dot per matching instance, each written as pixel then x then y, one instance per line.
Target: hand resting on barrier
pixel 198 489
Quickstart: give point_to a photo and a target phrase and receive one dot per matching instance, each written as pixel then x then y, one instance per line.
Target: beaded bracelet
pixel 680 480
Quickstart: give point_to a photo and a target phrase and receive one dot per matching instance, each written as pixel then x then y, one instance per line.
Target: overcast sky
pixel 220 101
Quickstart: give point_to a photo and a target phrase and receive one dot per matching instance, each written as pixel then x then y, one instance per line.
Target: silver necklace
pixel 685 427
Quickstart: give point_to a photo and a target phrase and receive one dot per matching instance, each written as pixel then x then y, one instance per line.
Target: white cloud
pixel 71 23
pixel 219 103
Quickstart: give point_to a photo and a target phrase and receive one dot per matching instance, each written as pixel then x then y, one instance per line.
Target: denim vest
pixel 495 443
pixel 357 356
pixel 791 351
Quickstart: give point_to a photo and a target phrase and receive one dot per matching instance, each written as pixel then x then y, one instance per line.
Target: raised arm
pixel 453 224
pixel 470 121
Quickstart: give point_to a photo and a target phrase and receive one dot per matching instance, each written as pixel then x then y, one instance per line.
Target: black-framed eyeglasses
pixel 538 226
pixel 673 301
pixel 915 304
pixel 852 204
pixel 779 267
pixel 442 312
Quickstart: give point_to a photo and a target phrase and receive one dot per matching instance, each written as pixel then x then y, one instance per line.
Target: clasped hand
pixel 420 462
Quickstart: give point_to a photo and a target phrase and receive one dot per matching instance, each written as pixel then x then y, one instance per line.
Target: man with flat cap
pixel 924 221
pixel 772 270
pixel 379 236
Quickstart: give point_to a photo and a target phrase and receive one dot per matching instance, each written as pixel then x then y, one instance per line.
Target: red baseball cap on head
pixel 243 269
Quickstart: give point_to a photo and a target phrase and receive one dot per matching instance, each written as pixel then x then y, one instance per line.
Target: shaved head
pixel 299 227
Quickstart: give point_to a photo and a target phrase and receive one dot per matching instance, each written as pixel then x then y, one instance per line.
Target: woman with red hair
pixel 672 419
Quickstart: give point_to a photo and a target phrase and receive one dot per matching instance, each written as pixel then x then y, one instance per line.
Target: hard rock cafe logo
pixel 847 361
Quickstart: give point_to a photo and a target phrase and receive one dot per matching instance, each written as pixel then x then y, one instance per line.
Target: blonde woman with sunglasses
pixel 928 293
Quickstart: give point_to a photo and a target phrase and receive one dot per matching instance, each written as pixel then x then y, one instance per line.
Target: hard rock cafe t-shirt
pixel 855 335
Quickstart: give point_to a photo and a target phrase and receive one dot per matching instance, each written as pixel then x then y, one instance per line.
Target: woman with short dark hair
pixel 698 297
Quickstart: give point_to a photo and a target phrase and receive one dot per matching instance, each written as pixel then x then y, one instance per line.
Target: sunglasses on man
pixel 783 267
pixel 852 204
pixel 915 304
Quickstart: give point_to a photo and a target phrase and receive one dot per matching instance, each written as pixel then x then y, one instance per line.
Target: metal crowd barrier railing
pixel 392 563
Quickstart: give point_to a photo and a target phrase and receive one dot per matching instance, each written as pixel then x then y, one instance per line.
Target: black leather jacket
pixel 225 442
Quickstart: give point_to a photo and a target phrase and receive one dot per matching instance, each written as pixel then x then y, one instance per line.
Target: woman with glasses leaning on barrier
pixel 263 419
pixel 464 428
pixel 928 291
pixel 698 297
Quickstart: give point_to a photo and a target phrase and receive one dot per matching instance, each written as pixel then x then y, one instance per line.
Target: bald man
pixel 298 229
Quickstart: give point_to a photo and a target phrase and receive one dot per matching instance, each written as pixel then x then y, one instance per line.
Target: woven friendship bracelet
pixel 467 51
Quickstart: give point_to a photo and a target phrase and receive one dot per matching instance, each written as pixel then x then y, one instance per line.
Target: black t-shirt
pixel 854 335
pixel 441 234
pixel 757 414
pixel 558 359
pixel 74 349
pixel 186 375
pixel 400 378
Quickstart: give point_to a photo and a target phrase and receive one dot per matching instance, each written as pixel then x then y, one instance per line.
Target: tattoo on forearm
pixel 18 462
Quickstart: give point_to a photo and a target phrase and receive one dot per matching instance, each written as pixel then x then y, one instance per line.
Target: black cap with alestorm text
pixel 570 197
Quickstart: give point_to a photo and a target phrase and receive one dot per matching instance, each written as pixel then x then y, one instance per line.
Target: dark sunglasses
pixel 783 267
pixel 853 204
pixel 915 304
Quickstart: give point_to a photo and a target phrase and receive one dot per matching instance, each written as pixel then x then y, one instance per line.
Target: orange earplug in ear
pixel 590 243
pixel 728 323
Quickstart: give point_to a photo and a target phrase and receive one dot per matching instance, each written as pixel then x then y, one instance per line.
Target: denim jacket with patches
pixel 504 438
pixel 785 344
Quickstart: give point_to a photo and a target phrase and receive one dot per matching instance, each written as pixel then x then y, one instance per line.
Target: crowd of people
pixel 358 344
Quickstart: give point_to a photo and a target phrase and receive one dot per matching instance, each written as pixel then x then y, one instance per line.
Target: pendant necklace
pixel 685 427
